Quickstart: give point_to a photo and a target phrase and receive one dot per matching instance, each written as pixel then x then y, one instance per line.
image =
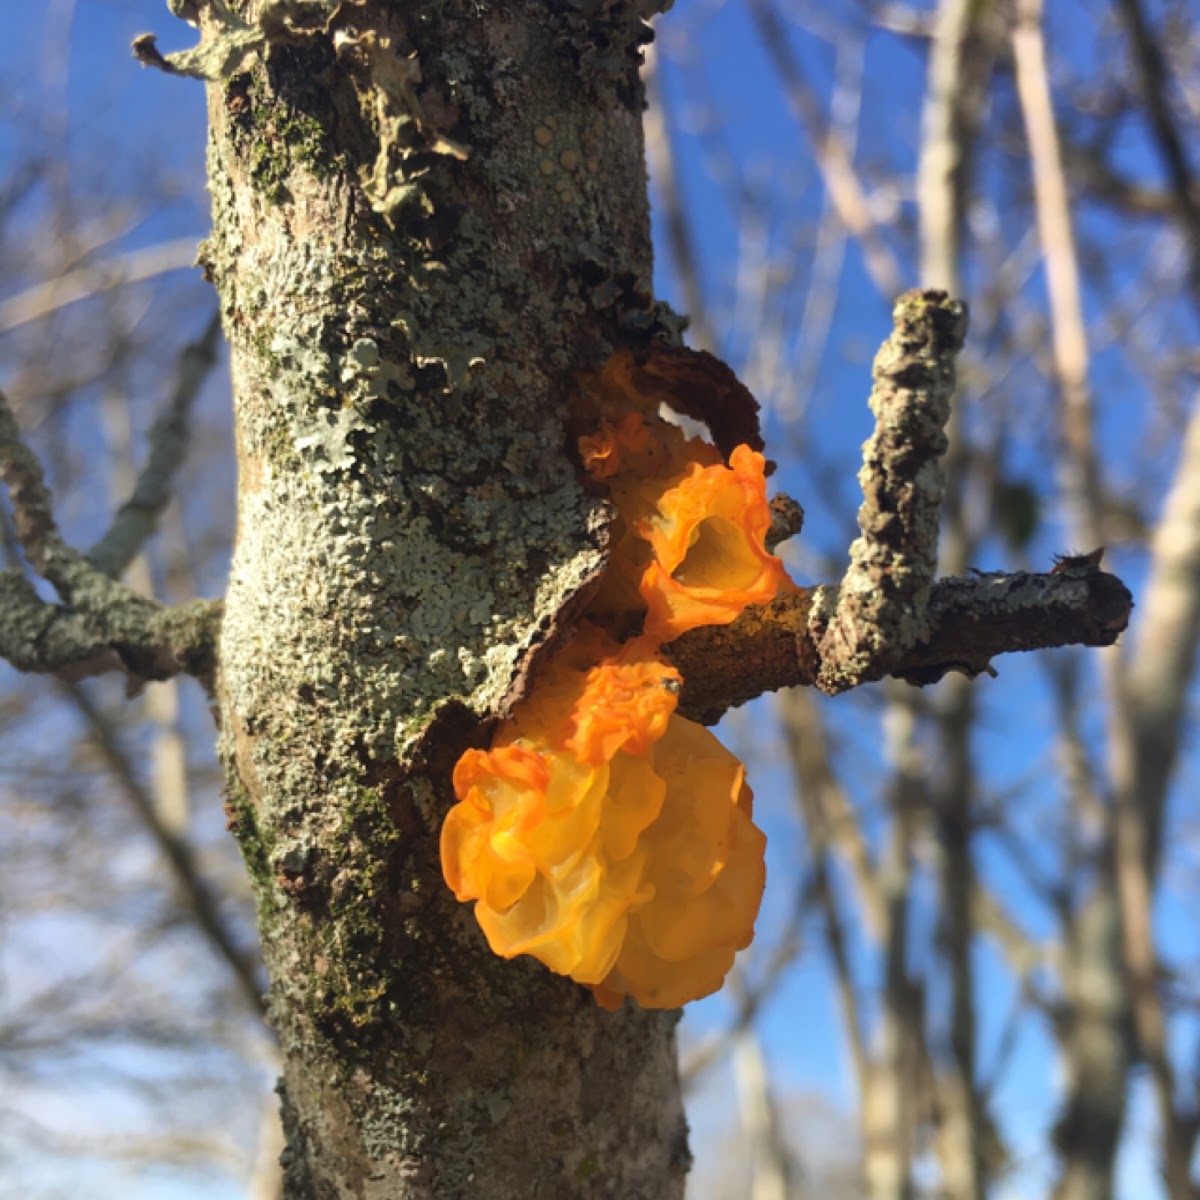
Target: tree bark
pixel 427 219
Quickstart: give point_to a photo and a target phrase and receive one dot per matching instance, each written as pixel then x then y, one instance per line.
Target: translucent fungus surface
pixel 603 833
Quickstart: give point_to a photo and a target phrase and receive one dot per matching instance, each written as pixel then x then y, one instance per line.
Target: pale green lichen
pixel 396 502
pixel 411 526
pixel 881 602
pixel 588 1167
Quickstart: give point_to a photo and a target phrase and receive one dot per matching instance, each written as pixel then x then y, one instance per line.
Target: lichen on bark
pixel 412 530
pixel 878 612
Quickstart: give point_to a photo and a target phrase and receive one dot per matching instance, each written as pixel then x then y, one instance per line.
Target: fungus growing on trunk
pixel 602 833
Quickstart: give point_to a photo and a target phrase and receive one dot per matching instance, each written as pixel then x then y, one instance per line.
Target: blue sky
pixel 127 124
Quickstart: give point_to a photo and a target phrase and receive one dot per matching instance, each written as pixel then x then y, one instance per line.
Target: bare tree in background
pixel 1023 205
pixel 131 1025
pixel 1017 199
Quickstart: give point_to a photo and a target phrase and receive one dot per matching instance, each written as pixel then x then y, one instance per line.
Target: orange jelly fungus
pixel 617 845
pixel 709 562
pixel 638 458
pixel 603 833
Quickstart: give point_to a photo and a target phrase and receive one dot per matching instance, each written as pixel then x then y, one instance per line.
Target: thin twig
pixel 830 155
pixel 960 60
pixel 137 518
pixel 773 1167
pixel 1154 76
pixel 1149 700
pixel 135 267
pixel 942 166
pixel 33 510
pixel 829 252
pixel 176 852
pixel 660 156
pixel 751 998
pixel 891 1105
pixel 1081 474
pixel 1133 861
pixel 805 740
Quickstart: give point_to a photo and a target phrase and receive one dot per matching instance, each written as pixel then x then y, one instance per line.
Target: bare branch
pixel 1154 77
pixel 880 605
pixel 829 153
pixel 660 156
pixel 1102 181
pixel 201 904
pixel 1136 814
pixel 961 55
pixel 904 20
pixel 146 640
pixel 955 92
pixel 101 625
pixel 136 519
pixel 969 621
pixel 1159 671
pixel 829 250
pixel 773 1167
pixel 84 282
pixel 751 999
pixel 1081 476
pixel 806 747
pixel 891 1102
pixel 1149 702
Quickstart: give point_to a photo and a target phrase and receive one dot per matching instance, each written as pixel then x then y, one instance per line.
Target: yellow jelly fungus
pixel 625 705
pixel 638 458
pixel 623 854
pixel 614 445
pixel 704 865
pixel 641 456
pixel 709 562
pixel 603 833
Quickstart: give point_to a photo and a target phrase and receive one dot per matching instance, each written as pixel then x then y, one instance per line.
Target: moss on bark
pixel 427 220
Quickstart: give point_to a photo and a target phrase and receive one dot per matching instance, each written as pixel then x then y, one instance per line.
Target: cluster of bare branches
pixel 942 870
pixel 132 1038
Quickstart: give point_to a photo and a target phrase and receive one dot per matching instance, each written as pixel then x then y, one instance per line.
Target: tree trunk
pixel 427 219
